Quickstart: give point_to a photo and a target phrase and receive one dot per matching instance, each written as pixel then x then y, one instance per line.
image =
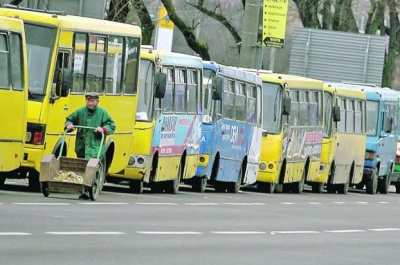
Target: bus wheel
pixel 371 185
pixel 331 188
pixel 384 184
pixel 397 185
pixel 173 185
pixel 33 181
pixel 343 188
pixel 2 180
pixel 234 187
pixel 199 184
pixel 136 186
pixel 267 187
pixel 317 187
pixel 299 186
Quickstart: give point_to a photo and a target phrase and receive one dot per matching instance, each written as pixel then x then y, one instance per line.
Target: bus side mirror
pixel 287 102
pixel 160 83
pixel 336 113
pixel 217 86
pixel 63 82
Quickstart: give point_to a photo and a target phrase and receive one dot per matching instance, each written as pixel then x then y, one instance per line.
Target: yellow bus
pixel 69 56
pixel 168 122
pixel 13 95
pixel 292 132
pixel 343 149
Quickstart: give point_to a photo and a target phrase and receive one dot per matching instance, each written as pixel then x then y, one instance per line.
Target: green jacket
pixel 87 141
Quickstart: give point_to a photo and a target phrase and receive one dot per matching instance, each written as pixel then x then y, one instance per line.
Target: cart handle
pixel 83 127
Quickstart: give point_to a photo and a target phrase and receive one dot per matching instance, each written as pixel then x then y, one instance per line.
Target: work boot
pixel 84 196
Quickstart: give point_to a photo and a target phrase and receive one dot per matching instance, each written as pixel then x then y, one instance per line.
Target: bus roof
pixel 346 92
pixel 11 24
pixel 233 72
pixel 69 22
pixel 178 59
pixel 373 92
pixel 293 81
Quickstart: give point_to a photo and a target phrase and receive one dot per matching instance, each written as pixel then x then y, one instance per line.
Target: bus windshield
pixel 272 107
pixel 372 117
pixel 145 100
pixel 40 42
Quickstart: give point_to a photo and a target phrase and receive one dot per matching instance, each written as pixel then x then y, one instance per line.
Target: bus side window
pixel 4 62
pixel 342 122
pixel 131 72
pixel 240 101
pixel 192 88
pixel 303 108
pixel 17 72
pixel 167 100
pixel 251 104
pixel 180 90
pixel 294 108
pixel 229 88
pixel 358 117
pixel 349 116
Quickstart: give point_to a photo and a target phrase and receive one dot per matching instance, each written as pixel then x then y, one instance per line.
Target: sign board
pixel 274 22
pixel 164 31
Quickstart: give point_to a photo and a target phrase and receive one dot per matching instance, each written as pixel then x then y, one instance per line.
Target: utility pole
pixel 250 50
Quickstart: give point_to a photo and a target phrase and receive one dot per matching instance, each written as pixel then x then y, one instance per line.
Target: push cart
pixel 72 175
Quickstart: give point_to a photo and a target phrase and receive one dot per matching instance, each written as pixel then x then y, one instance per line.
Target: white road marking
pixel 345 231
pixel 316 203
pixel 85 233
pixel 169 232
pixel 383 202
pixel 242 203
pixel 104 203
pixel 339 202
pixel 295 232
pixel 237 232
pixel 201 203
pixel 42 203
pixel 362 202
pixel 287 203
pixel 14 234
pixel 384 229
pixel 156 203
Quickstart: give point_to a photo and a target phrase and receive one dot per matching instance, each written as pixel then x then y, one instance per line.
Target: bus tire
pixel 397 185
pixel 371 185
pixel 173 185
pixel 136 186
pixel 343 188
pixel 199 184
pixel 298 187
pixel 317 187
pixel 2 180
pixel 384 184
pixel 234 187
pixel 267 187
pixel 33 181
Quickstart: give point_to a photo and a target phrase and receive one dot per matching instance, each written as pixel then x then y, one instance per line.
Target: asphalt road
pixel 194 228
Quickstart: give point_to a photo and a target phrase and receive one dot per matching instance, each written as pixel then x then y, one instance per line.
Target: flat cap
pixel 92 95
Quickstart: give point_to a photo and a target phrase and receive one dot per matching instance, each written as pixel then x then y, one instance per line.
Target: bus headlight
pixel 131 161
pixel 262 166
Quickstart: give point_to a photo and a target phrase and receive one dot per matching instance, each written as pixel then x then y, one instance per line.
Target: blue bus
pixel 231 129
pixel 381 128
